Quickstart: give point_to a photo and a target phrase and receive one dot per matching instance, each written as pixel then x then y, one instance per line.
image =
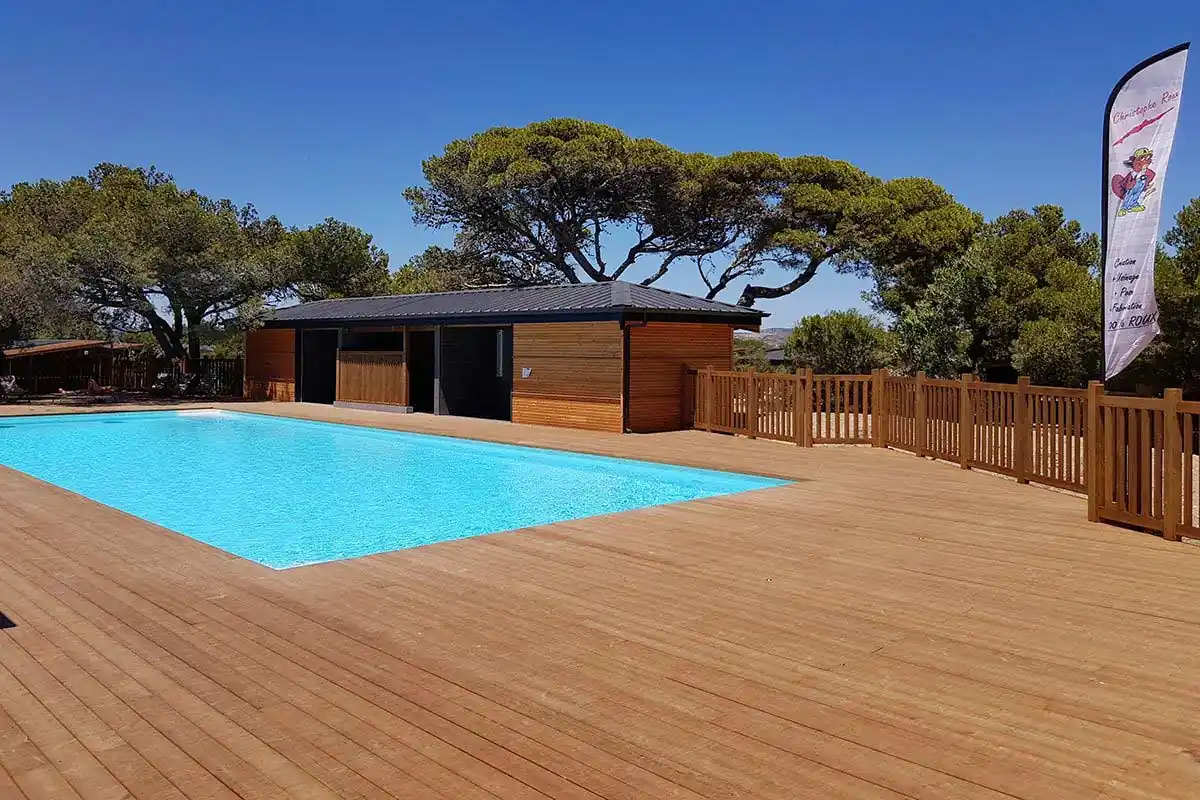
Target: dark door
pixel 420 371
pixel 477 372
pixel 318 366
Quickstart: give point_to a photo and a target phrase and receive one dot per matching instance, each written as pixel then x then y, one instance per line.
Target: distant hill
pixel 774 337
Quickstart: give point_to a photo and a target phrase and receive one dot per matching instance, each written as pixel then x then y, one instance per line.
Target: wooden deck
pixel 885 627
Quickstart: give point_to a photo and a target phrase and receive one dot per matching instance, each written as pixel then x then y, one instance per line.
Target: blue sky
pixel 315 109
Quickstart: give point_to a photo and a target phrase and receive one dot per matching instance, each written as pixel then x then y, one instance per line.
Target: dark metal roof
pixel 609 300
pixel 37 347
pixel 777 354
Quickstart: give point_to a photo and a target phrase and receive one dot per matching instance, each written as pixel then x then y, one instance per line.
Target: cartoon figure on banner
pixel 1136 185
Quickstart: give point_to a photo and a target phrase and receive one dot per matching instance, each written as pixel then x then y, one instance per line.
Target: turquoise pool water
pixel 286 493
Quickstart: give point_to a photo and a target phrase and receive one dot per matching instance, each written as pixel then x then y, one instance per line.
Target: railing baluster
pixel 1189 453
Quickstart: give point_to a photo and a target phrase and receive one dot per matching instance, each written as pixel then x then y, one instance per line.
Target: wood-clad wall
pixel 372 376
pixel 270 364
pixel 576 375
pixel 658 354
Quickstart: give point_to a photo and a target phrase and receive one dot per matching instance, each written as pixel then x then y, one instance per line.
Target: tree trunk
pixel 169 339
pixel 194 318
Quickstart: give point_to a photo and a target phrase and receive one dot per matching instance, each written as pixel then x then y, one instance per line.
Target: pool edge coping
pixel 783 482
pixel 220 406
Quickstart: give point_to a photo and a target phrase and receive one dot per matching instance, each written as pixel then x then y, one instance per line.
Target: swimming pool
pixel 286 493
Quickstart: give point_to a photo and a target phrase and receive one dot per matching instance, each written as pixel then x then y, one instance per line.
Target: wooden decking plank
pixel 198 727
pixel 1181 632
pixel 681 626
pixel 422 742
pixel 426 612
pixel 558 792
pixel 374 671
pixel 1007 702
pixel 8 787
pixel 128 707
pixel 885 624
pixel 472 599
pixel 379 685
pixel 140 733
pixel 46 783
pixel 551 759
pixel 80 770
pixel 137 775
pixel 18 754
pixel 459 789
pixel 245 714
pixel 1089 696
pixel 598 647
pixel 217 769
pixel 447 698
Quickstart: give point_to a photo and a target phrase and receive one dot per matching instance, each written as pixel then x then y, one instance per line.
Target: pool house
pixel 600 356
pixel 43 366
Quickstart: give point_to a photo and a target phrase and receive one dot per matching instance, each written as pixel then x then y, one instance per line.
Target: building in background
pixel 602 356
pixel 42 366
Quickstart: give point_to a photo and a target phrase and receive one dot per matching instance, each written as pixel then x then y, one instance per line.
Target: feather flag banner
pixel 1139 130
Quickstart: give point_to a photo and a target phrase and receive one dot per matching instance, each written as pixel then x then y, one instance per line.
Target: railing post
pixel 807 407
pixel 921 428
pixel 876 409
pixel 797 409
pixel 1172 488
pixel 709 392
pixel 687 405
pixel 1023 432
pixel 1092 468
pixel 752 404
pixel 885 410
pixel 966 422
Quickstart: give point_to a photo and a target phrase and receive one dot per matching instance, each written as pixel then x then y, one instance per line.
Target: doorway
pixel 476 371
pixel 318 366
pixel 420 371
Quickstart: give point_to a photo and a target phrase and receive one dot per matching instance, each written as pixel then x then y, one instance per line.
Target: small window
pixel 500 353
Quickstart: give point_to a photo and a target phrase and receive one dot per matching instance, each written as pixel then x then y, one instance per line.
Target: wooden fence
pixel 803 408
pixel 368 376
pixel 1147 450
pixel 1148 454
pixel 219 377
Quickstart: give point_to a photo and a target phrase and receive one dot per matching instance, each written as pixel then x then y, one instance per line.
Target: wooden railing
pixel 1056 451
pixel 841 408
pixel 377 377
pixel 996 419
pixel 218 377
pixel 1148 456
pixel 1035 434
pixel 1188 419
pixel 773 404
pixel 940 430
pixel 803 408
pixel 1145 451
pixel 898 414
pixel 1130 444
